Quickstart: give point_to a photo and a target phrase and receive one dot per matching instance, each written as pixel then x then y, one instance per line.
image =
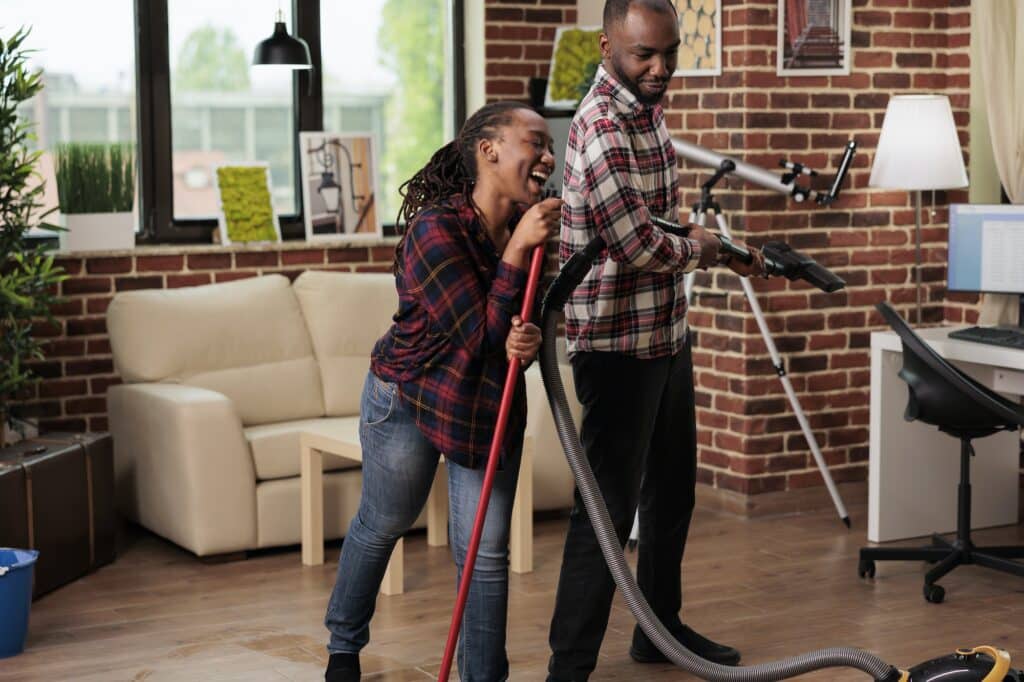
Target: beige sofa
pixel 220 380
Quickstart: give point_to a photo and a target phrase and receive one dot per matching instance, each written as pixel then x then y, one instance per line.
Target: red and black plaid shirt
pixel 620 168
pixel 446 348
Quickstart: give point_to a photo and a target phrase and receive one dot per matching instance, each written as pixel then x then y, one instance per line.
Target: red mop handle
pixel 492 465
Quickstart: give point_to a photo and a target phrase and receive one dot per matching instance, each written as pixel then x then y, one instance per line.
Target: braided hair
pixel 452 169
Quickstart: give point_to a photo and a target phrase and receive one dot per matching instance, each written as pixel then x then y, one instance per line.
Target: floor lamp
pixel 918 149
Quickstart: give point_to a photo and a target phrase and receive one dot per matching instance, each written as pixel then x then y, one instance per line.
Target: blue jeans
pixel 398 470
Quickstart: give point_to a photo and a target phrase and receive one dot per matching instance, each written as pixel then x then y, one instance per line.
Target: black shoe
pixel 642 651
pixel 342 668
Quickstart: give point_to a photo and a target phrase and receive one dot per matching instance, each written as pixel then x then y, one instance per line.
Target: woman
pixel 436 376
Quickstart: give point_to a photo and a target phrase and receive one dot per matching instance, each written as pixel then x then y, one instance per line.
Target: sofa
pixel 219 381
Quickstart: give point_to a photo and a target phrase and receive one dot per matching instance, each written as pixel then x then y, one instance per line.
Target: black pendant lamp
pixel 281 49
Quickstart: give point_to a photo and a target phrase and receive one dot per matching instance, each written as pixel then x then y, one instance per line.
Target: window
pixel 385 66
pixel 86 98
pixel 174 77
pixel 222 109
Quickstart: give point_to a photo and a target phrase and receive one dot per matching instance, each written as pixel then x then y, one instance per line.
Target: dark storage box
pixel 57 496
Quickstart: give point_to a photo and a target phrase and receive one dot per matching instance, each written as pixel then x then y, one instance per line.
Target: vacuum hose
pixel 554 301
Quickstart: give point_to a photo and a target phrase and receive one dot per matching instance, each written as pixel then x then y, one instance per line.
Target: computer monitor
pixel 986 248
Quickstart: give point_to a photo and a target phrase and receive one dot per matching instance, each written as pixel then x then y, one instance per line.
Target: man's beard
pixel 634 86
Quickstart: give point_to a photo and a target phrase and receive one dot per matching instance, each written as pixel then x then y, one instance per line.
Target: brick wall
pixel 750 440
pixel 519 35
pixel 78 366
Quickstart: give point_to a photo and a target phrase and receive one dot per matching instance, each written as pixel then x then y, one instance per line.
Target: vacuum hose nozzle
pixel 780 259
pixel 793 265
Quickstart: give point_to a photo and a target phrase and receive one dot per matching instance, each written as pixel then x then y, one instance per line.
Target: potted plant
pixel 96 187
pixel 28 277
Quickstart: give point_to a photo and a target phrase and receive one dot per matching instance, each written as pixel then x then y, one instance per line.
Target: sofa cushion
pixel 346 313
pixel 275 447
pixel 245 339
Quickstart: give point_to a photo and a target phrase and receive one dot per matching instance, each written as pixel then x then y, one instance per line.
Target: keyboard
pixel 1008 337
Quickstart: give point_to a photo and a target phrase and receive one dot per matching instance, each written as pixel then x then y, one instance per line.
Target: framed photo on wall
pixel 700 33
pixel 813 38
pixel 245 209
pixel 574 62
pixel 339 185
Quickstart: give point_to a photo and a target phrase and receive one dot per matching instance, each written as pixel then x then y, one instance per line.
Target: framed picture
pixel 574 62
pixel 700 35
pixel 814 38
pixel 245 212
pixel 339 185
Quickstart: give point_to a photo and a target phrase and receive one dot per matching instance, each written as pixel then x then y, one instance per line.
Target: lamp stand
pixel 917 235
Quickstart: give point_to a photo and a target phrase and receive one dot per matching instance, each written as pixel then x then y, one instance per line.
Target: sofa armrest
pixel 183 466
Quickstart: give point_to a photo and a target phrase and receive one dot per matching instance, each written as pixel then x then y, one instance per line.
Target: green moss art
pixel 245 202
pixel 577 54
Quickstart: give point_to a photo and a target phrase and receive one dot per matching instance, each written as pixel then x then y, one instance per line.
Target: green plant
pixel 28 277
pixel 95 178
pixel 575 61
pixel 245 201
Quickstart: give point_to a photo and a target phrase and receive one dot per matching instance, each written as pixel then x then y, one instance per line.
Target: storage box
pixel 57 496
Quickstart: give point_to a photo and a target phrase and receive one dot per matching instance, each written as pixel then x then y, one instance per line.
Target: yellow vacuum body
pixel 979 664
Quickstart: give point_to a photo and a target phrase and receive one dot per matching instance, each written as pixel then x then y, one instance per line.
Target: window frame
pixel 153 93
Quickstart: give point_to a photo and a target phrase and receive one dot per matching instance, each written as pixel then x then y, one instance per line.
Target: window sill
pixel 252 247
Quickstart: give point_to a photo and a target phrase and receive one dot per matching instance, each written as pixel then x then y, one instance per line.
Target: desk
pixel 915 469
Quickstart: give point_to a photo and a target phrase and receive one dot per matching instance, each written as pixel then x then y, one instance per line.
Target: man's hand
pixel 523 341
pixel 755 268
pixel 709 244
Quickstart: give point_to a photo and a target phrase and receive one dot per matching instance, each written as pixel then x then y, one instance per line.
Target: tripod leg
pixel 748 290
pixel 688 281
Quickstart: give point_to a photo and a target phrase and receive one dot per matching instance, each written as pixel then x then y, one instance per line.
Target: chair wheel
pixel 866 568
pixel 934 593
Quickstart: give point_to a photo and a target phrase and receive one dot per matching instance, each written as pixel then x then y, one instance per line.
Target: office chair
pixel 943 396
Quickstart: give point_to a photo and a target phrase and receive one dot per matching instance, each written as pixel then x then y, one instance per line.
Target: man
pixel 628 340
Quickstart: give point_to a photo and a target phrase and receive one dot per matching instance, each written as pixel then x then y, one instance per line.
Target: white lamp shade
pixel 918 147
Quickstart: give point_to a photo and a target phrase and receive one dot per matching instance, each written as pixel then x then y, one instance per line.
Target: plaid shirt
pixel 446 348
pixel 620 168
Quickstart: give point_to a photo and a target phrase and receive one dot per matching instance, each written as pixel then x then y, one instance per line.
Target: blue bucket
pixel 16 568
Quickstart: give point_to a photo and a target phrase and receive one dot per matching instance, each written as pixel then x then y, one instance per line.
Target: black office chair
pixel 943 396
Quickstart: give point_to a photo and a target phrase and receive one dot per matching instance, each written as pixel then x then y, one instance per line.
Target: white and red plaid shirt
pixel 620 168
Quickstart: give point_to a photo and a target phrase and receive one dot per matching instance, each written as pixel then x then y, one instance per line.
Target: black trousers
pixel 639 434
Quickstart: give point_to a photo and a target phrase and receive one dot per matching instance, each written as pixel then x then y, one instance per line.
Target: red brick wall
pixel 519 35
pixel 78 366
pixel 750 440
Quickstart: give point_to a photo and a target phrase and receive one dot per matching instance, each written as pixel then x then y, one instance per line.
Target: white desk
pixel 915 469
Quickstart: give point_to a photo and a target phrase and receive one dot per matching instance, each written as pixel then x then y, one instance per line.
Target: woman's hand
pixel 523 341
pixel 537 225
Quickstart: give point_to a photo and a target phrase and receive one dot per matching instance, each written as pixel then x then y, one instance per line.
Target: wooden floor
pixel 771 588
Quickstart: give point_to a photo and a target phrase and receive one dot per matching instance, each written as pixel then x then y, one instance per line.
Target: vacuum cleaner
pixel 977 664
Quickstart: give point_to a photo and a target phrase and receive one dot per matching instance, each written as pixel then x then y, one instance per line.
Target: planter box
pixel 98 232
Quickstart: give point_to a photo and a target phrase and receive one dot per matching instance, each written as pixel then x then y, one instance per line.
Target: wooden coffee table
pixel 313 446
